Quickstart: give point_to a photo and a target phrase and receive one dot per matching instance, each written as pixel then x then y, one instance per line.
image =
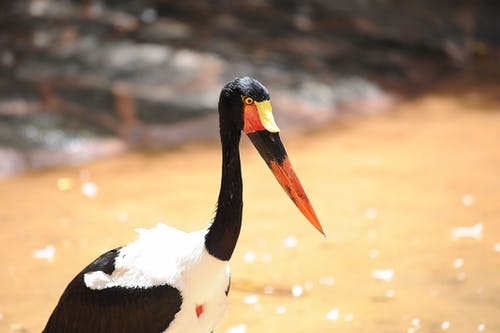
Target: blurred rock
pixel 148 74
pixel 45 139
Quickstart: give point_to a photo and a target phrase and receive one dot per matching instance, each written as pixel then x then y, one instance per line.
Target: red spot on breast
pixel 199 310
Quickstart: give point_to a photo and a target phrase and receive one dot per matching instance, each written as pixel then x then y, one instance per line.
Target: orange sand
pixel 388 189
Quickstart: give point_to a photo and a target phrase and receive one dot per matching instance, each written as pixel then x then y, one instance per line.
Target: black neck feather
pixel 222 236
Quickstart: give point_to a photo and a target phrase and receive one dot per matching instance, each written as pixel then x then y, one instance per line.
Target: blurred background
pixel 389 109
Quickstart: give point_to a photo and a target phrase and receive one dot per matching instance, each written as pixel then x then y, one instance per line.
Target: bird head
pixel 255 118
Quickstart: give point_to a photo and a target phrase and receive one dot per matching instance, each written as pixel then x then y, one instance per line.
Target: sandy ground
pixel 389 190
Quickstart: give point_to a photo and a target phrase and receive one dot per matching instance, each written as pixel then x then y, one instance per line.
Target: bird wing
pixel 113 309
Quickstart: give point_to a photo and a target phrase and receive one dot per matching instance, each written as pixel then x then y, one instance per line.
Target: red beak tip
pixel 322 232
pixel 315 222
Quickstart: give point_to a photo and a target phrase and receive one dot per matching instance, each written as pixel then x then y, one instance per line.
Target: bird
pixel 173 281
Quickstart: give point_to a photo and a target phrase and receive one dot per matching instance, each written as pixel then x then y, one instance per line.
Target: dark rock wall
pixel 143 71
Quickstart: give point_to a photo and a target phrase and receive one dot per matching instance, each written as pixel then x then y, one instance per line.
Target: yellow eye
pixel 248 100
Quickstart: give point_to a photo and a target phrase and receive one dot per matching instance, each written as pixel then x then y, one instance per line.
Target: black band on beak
pixel 269 146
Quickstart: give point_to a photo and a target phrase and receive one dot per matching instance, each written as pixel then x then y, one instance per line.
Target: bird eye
pixel 248 100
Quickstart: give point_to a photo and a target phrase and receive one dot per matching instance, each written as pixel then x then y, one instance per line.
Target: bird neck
pixel 223 233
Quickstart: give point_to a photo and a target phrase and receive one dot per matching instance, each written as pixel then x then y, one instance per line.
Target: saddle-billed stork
pixel 169 280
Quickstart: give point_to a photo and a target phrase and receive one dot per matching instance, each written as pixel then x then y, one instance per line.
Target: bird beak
pixel 273 152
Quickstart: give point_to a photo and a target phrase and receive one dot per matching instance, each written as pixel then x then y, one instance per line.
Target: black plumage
pixel 113 310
